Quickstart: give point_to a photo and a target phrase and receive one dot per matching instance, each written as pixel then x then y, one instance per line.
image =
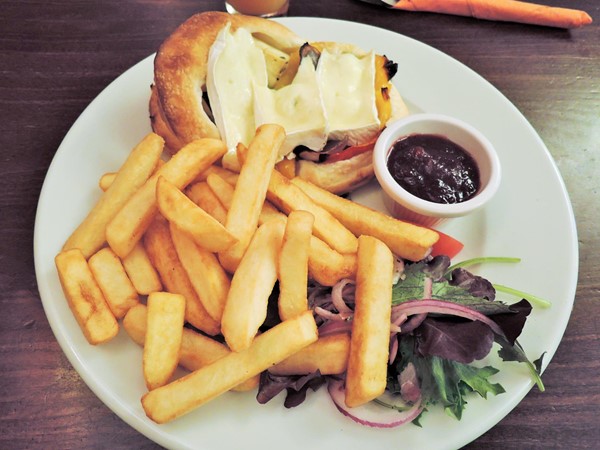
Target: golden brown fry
pixel 329 355
pixel 203 196
pixel 209 279
pixel 130 223
pixel 369 347
pixel 162 343
pixel 293 264
pixel 85 297
pixel 205 230
pixel 119 293
pixel 141 272
pixel 404 239
pixel 106 180
pixel 185 394
pixel 288 197
pixel 224 192
pixel 197 350
pixel 90 235
pixel 327 266
pixel 228 175
pixel 161 250
pixel 250 191
pixel 251 285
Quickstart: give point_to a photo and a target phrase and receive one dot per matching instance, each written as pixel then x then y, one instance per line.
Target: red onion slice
pixel 371 414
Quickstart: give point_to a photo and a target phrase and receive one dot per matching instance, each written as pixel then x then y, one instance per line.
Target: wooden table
pixel 56 56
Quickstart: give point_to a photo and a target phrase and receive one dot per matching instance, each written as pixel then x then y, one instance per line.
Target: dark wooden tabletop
pixel 57 56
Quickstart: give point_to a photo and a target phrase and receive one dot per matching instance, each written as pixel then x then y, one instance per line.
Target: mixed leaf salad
pixel 444 319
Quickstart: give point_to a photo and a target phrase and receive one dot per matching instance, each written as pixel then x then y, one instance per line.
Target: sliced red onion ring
pixel 371 414
pixel 441 307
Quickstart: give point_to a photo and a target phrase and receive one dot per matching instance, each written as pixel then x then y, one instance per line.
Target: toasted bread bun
pixel 180 114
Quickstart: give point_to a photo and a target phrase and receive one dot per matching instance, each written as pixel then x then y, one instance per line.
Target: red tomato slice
pixel 446 245
pixel 352 151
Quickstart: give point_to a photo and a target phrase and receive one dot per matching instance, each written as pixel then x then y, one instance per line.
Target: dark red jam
pixel 433 168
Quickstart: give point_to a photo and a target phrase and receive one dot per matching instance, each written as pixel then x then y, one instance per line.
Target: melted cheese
pixel 235 66
pixel 346 83
pixel 297 107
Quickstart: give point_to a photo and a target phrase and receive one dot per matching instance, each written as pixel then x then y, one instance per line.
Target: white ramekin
pixel 406 206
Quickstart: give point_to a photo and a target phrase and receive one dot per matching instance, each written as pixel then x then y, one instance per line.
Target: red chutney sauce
pixel 433 168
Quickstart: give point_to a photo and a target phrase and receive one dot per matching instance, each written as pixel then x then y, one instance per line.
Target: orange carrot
pixel 505 10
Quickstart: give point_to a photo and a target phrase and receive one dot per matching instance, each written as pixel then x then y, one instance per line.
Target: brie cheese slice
pixel 297 107
pixel 347 86
pixel 235 66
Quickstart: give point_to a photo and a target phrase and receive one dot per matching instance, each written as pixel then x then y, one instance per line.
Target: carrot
pixel 505 10
pixel 446 245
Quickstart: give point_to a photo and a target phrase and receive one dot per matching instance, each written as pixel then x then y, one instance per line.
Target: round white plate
pixel 530 218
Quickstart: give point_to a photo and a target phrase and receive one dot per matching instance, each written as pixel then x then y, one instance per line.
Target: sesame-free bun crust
pixel 180 69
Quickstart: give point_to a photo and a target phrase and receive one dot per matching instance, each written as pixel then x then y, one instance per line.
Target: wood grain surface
pixel 57 56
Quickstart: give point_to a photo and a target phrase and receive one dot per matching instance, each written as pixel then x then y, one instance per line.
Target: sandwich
pixel 220 75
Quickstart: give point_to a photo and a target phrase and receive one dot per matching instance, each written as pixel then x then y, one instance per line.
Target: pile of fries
pixel 188 242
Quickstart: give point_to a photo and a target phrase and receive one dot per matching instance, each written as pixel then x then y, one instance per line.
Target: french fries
pixel 161 250
pixel 366 376
pixel 404 239
pixel 185 394
pixel 90 235
pixel 250 191
pixel 208 278
pixel 162 342
pixel 207 246
pixel 205 230
pixel 251 284
pixel 293 264
pixel 328 355
pixel 197 350
pixel 119 293
pixel 141 272
pixel 85 297
pixel 128 226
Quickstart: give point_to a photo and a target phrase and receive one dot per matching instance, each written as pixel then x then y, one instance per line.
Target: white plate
pixel 531 218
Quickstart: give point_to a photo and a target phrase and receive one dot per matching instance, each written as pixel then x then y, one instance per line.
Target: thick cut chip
pixel 162 344
pixel 113 281
pixel 366 376
pixel 141 272
pixel 85 297
pixel 90 235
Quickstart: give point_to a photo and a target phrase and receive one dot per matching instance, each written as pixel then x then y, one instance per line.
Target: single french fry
pixel 223 190
pixel 197 388
pixel 141 272
pixel 327 266
pixel 228 175
pixel 197 350
pixel 203 196
pixel 328 355
pixel 288 197
pixel 366 376
pixel 293 264
pixel 161 250
pixel 162 342
pixel 251 284
pixel 205 230
pixel 404 239
pixel 119 293
pixel 106 180
pixel 208 278
pixel 85 297
pixel 134 218
pixel 250 191
pixel 90 235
